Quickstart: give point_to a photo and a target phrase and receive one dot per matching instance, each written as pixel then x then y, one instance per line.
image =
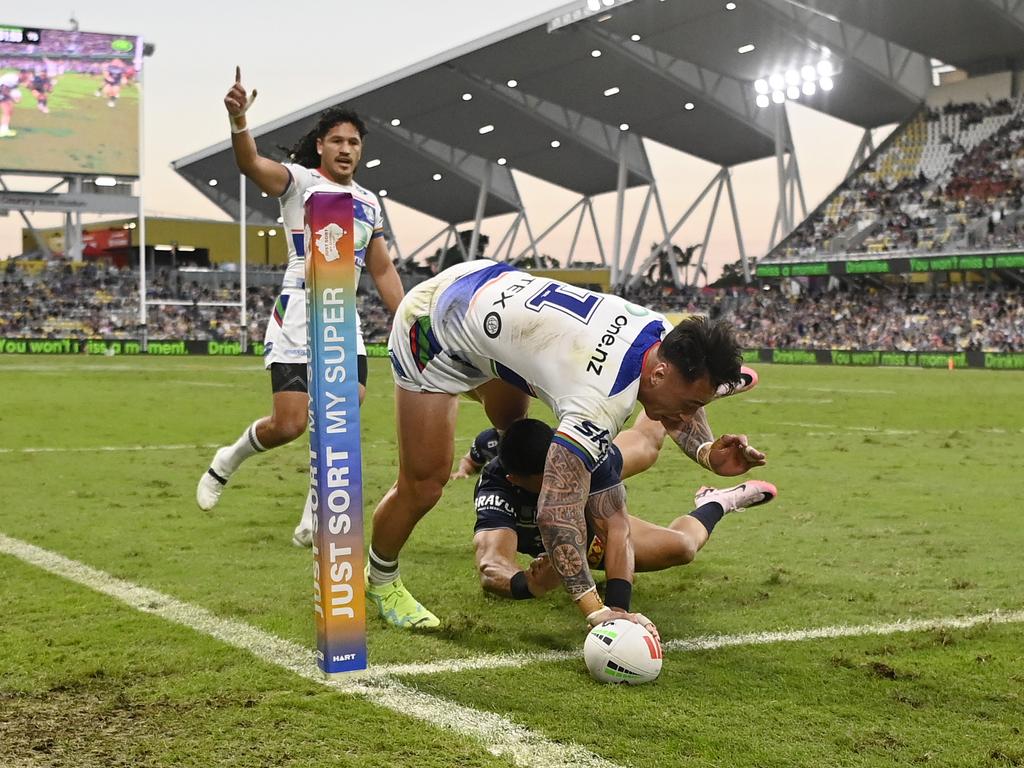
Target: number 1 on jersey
pixel 565 299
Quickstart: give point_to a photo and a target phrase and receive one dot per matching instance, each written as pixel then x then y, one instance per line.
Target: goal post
pixel 335 466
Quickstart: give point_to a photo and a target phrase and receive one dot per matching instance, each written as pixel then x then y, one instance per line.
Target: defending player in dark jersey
pixel 506 516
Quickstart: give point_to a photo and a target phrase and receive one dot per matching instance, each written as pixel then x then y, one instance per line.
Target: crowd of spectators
pixel 934 318
pixel 973 199
pixel 96 301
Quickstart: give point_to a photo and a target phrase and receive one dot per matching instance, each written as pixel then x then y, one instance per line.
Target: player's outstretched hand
pixel 237 102
pixel 610 614
pixel 732 455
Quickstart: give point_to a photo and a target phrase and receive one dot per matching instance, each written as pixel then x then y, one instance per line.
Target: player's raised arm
pixel 269 175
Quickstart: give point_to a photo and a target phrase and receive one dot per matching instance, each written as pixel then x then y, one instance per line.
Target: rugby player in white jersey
pixel 504 335
pixel 325 160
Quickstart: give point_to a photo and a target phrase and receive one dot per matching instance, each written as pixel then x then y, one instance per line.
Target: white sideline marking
pixel 499 735
pixel 111 448
pixel 712 642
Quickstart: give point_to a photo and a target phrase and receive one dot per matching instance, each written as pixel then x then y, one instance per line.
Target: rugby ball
pixel 621 651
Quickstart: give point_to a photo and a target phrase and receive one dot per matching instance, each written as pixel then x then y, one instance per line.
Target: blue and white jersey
pixel 368 220
pixel 579 351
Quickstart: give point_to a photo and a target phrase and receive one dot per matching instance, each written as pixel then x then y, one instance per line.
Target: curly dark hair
pixel 524 447
pixel 699 347
pixel 304 151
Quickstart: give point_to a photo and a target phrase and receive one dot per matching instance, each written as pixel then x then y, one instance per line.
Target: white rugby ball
pixel 621 651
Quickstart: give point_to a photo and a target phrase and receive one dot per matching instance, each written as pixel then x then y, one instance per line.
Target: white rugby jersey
pixel 579 351
pixel 367 217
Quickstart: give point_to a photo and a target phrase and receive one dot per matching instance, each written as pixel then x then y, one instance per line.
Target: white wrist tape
pixel 704 455
pixel 235 128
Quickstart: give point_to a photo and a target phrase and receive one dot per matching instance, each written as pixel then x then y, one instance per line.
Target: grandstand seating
pixel 948 179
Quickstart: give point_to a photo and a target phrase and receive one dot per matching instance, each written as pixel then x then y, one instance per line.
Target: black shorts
pixel 291 377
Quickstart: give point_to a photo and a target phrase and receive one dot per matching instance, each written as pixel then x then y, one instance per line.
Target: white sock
pixel 229 459
pixel 306 521
pixel 382 571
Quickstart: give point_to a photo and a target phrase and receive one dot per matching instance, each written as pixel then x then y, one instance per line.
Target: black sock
pixel 709 514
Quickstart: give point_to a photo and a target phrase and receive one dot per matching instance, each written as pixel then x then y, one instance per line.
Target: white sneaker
pixel 302 536
pixel 742 496
pixel 212 483
pixel 747 381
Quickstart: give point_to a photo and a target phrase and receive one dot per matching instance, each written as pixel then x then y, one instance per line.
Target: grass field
pixel 899 500
pixel 80 134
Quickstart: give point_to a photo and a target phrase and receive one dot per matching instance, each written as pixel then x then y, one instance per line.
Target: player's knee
pixel 291 426
pixel 683 551
pixel 425 492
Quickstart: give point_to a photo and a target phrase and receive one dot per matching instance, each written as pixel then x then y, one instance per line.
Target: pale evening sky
pixel 299 54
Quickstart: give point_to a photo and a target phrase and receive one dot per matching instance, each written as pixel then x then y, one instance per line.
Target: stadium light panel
pixel 611 91
pixel 382 193
pixel 105 181
pixel 502 161
pixel 261 233
pixel 792 77
pixel 608 3
pixel 730 6
pixel 807 72
pixel 603 18
pixel 777 82
pixel 512 83
pixel 761 86
pixel 763 100
pixel 264 194
pixel 793 92
pixel 594 5
pixel 372 163
pixel 212 182
pixel 688 106
pixel 778 97
pixel 826 84
pixel 163 247
pixel 467 97
pixel 623 126
pixel 595 53
pixel 808 88
pixel 825 68
pixel 745 48
pixel 555 144
pixel 272 232
pixel 186 249
pixel 437 177
pixel 635 38
pixel 485 129
pixel 280 220
pixel 395 122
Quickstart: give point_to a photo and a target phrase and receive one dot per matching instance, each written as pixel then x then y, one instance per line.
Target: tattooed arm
pixel 607 512
pixel 563 528
pixel 729 455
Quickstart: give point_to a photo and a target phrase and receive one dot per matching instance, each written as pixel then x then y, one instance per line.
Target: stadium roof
pixel 549 95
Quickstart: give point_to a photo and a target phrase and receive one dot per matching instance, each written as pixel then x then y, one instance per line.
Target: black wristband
pixel 520 589
pixel 618 593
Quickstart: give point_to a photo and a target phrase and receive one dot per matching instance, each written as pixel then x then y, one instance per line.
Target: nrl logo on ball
pixel 327 240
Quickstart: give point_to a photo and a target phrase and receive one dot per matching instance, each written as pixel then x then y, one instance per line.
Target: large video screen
pixel 69 101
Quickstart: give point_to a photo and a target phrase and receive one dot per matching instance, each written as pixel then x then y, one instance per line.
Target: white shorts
pixel 285 340
pixel 418 361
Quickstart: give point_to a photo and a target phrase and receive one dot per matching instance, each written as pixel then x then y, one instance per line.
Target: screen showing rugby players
pixel 69 101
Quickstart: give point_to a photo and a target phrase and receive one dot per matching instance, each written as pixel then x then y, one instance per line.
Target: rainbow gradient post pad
pixel 335 466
